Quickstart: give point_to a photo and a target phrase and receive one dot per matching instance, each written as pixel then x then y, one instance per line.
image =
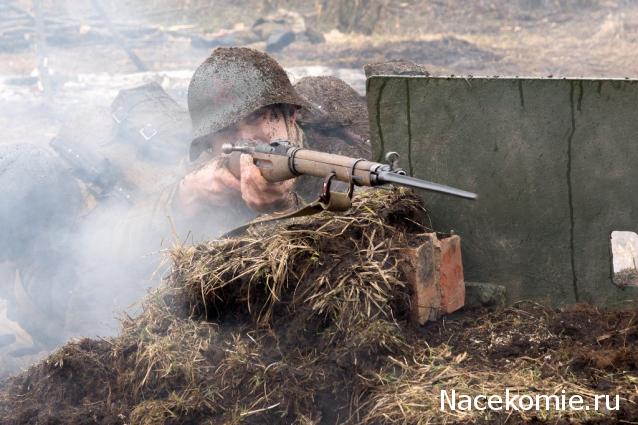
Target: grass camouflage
pixel 306 321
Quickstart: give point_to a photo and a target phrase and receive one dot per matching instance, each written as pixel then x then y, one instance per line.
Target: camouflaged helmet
pixel 230 85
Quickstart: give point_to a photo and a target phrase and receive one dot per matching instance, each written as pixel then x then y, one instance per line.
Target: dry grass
pixel 335 266
pixel 305 322
pixel 409 390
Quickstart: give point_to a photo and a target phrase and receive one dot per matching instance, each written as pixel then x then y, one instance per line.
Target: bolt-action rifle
pixel 279 161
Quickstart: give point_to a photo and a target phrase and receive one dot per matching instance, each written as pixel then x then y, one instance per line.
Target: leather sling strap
pixel 337 202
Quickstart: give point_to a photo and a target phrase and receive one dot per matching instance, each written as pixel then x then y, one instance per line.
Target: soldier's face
pixel 264 125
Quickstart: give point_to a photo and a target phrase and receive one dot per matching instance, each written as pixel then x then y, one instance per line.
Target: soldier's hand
pixel 260 194
pixel 212 185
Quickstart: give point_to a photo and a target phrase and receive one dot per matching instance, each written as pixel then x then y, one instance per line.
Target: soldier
pixel 237 93
pixel 67 257
pixel 241 93
pixel 138 153
pixel 40 204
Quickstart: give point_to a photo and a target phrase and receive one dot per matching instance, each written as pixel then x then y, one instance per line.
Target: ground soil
pixel 585 337
pixel 597 346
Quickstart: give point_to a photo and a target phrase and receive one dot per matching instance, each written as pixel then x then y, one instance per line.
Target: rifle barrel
pixel 389 177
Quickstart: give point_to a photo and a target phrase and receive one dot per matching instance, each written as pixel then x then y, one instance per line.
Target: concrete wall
pixel 555 163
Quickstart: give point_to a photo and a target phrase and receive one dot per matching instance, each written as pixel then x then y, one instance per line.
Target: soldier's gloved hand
pixel 258 193
pixel 212 185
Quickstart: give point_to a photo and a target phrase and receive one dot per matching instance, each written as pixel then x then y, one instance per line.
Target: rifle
pixel 280 160
pixel 102 178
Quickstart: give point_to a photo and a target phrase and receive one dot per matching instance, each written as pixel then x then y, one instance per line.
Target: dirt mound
pixel 306 322
pixel 445 52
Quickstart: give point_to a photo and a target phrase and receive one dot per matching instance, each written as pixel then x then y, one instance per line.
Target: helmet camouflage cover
pixel 230 85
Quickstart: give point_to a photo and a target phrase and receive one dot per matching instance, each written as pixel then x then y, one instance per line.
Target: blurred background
pixel 62 60
pixel 93 48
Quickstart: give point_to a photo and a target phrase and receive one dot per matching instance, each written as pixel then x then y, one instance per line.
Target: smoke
pixel 114 271
pixel 74 252
pixel 73 257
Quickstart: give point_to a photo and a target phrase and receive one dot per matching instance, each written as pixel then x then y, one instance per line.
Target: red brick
pixel 434 272
pixel 420 273
pixel 450 274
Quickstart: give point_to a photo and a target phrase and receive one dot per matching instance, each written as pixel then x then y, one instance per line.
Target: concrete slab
pixel 553 160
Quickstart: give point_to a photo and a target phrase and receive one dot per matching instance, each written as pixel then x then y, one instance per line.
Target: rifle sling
pixel 338 202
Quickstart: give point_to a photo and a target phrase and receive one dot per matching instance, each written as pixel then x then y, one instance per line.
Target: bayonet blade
pixel 401 180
